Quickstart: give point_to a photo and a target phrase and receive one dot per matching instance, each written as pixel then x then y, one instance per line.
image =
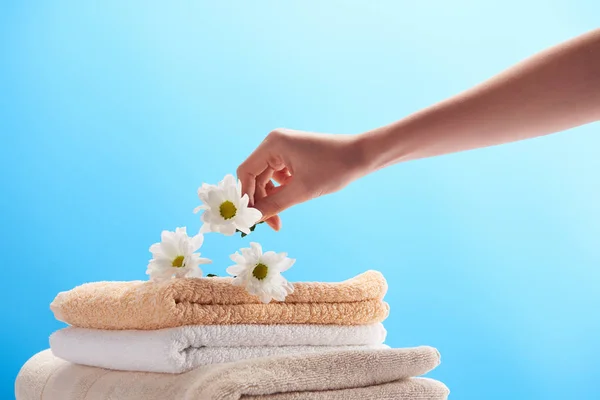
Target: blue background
pixel 111 115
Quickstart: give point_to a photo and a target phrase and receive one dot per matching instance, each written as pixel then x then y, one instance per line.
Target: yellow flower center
pixel 178 262
pixel 260 271
pixel 227 210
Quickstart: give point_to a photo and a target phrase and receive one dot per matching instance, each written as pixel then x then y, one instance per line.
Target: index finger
pixel 253 166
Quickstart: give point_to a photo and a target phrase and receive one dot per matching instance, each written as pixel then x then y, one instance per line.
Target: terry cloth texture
pixel 183 348
pixel 343 375
pixel 214 301
pixel 168 360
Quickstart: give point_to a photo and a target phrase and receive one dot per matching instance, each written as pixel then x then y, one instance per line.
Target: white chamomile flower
pixel 260 273
pixel 176 256
pixel 225 209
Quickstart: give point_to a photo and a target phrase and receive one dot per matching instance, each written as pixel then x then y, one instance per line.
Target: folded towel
pixel 210 301
pixel 347 375
pixel 406 389
pixel 183 348
pixel 170 360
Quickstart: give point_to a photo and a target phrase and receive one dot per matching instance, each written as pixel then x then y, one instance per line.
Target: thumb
pixel 280 198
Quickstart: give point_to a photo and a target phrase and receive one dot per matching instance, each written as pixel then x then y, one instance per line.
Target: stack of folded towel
pixel 207 339
pixel 186 323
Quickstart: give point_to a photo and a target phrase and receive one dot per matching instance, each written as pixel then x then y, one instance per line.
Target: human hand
pixel 304 164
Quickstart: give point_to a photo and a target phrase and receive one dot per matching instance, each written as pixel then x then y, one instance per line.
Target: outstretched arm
pixel 552 91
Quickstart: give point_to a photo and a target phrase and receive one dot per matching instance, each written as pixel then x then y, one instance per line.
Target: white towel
pixel 181 349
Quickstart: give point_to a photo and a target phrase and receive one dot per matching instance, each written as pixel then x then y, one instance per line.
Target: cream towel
pixel 214 301
pixel 184 348
pixel 174 350
pixel 344 375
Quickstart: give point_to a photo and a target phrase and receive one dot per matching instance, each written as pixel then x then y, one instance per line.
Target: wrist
pixel 380 148
pixel 360 150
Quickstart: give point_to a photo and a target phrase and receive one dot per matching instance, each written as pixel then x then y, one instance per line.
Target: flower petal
pixel 204 260
pixel 212 218
pixel 200 208
pixel 195 272
pixel 156 248
pixel 286 264
pixel 235 270
pixel 231 195
pixel 242 227
pixel 169 249
pixel 215 198
pixel 228 229
pixel 160 275
pixel 256 247
pixel 239 187
pixel 197 241
pixel 270 259
pixel 166 235
pixel 265 298
pixel 253 215
pixel 205 228
pixel 237 258
pixel 229 180
pixel 247 253
pixel 244 200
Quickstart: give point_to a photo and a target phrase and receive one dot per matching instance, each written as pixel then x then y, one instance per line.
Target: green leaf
pixel 211 275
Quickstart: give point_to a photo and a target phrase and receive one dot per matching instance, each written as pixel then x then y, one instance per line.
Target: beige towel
pixel 344 375
pixel 210 301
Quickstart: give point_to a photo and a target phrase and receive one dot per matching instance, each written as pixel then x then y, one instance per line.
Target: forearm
pixel 552 91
